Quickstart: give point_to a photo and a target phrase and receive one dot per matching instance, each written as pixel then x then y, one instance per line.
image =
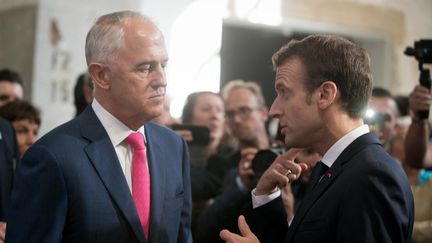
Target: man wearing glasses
pixel 246 114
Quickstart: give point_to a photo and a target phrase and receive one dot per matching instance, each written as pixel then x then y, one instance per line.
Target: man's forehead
pixel 241 97
pixel 383 104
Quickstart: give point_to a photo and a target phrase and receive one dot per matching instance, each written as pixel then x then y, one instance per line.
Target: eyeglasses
pixel 243 112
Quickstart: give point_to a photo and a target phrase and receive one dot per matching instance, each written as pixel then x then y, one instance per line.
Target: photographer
pixel 418 149
pixel 417 145
pixel 384 105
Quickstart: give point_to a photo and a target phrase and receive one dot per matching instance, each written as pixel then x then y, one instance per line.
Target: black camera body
pixel 198 145
pixel 422 52
pixel 263 159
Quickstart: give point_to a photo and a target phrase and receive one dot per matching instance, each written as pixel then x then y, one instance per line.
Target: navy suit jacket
pixel 365 197
pixel 70 188
pixel 8 158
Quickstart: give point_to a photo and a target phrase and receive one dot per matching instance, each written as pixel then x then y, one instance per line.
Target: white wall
pixel 54 82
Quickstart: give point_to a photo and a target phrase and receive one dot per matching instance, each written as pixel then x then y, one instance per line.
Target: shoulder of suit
pixel 153 127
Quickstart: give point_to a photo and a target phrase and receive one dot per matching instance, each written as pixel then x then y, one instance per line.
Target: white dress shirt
pixel 118 132
pixel 328 159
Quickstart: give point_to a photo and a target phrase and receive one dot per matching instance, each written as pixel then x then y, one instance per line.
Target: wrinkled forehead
pixel 241 97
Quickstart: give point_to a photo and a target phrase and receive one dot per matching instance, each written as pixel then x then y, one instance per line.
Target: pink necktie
pixel 140 179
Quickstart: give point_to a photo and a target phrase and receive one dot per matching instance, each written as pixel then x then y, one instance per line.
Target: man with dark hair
pixel 109 175
pixel 11 86
pixel 83 93
pixel 358 192
pixel 384 105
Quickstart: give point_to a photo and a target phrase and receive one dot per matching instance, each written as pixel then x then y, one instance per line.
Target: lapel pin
pixel 328 174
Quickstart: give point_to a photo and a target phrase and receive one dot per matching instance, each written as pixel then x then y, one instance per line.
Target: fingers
pixel 227 236
pixel 304 166
pixel 282 171
pixel 420 98
pixel 247 156
pixel 186 134
pixel 2 231
pixel 292 153
pixel 246 233
pixel 244 227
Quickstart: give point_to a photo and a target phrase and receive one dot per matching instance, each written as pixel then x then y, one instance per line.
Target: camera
pixel 422 51
pixel 263 159
pixel 198 145
pixel 374 119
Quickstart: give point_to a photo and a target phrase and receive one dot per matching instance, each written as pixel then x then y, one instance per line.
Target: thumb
pixel 244 227
pixel 304 166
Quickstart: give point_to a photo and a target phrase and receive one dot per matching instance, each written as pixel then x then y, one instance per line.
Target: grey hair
pixel 241 84
pixel 105 38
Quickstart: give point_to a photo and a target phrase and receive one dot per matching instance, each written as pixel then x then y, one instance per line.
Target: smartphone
pixel 198 145
pixel 200 134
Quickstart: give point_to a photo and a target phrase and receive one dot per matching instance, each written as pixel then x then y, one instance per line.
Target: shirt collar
pixel 117 130
pixel 336 149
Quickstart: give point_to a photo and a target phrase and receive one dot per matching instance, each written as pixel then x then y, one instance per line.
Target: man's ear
pixel 327 93
pixel 99 74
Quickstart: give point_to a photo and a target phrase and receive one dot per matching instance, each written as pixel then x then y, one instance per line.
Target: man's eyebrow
pixel 143 63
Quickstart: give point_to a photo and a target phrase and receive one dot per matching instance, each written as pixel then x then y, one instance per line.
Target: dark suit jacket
pixel 8 158
pixel 365 197
pixel 70 188
pixel 223 212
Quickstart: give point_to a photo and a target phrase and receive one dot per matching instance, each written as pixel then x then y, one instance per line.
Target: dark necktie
pixel 317 172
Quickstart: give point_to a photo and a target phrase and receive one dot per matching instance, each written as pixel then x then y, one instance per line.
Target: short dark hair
pixel 191 101
pixel 11 76
pixel 381 92
pixel 20 110
pixel 327 57
pixel 80 101
pixel 403 105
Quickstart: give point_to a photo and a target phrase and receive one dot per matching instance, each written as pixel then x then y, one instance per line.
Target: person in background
pixel 205 109
pixel 246 115
pixel 418 147
pixel 11 89
pixel 417 144
pixel 109 175
pixel 397 143
pixel 359 192
pixel 383 102
pixel 25 119
pixel 11 86
pixel 83 93
pixel 9 157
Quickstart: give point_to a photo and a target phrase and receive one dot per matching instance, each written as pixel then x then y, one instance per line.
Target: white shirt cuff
pixel 258 201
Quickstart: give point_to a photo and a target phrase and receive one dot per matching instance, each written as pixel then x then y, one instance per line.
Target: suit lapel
pixel 328 178
pixel 104 159
pixel 157 167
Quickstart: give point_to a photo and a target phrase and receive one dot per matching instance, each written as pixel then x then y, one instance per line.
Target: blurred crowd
pixel 231 142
